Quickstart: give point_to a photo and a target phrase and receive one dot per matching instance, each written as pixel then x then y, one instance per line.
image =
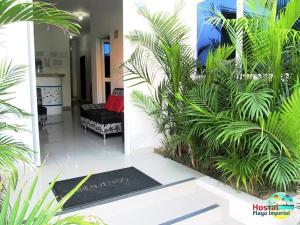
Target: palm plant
pixel 43 211
pixel 244 113
pixel 262 37
pixel 251 142
pixel 12 150
pixel 12 11
pixel 166 49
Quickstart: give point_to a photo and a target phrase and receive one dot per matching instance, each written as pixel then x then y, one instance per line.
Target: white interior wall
pixel 20 51
pixel 139 131
pixel 106 17
pixel 51 40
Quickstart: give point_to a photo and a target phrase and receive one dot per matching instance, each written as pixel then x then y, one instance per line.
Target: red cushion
pixel 118 104
pixel 110 102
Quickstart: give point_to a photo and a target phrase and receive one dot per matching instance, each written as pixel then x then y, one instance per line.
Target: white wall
pixel 53 40
pixel 17 45
pixel 139 131
pixel 106 17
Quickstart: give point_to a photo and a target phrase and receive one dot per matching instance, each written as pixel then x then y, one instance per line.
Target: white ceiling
pixel 75 6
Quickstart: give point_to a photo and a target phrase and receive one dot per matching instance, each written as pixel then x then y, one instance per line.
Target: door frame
pixel 83 76
pixel 106 79
pixel 100 69
pixel 33 95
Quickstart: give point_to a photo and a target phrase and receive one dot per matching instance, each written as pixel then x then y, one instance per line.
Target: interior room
pixel 76 74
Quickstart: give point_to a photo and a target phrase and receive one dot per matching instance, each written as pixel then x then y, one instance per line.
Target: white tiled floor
pixel 66 148
pixel 68 151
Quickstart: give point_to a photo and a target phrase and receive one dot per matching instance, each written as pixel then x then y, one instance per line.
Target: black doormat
pixel 103 186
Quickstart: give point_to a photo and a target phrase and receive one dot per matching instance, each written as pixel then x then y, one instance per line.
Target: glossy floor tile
pixel 69 152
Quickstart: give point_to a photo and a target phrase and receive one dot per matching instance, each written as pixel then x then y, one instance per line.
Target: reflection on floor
pixel 66 148
pixel 66 144
pixel 68 151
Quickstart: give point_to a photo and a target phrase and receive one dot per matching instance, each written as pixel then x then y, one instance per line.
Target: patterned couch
pixel 96 118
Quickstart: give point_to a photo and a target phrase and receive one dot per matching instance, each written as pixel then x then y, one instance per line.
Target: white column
pixel 239 8
pixel 33 95
pixel 239 14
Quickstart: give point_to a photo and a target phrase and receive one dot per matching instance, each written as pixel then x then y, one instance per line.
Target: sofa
pixel 97 118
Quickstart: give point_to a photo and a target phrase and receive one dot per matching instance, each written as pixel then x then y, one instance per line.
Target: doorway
pixel 79 76
pixel 103 65
pixel 83 77
pixel 107 72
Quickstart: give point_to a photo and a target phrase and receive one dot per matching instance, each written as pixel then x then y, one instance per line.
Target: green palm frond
pixel 12 11
pixel 289 15
pixel 146 39
pixel 165 47
pixel 254 102
pixel 240 169
pixel 255 5
pixel 78 220
pixel 228 129
pixel 261 36
pixel 7 108
pixel 24 211
pixel 290 115
pixel 167 27
pixel 204 97
pixel 10 76
pixel 281 171
pixel 147 103
pixel 153 45
pixel 215 58
pixel 136 70
pixel 272 138
pixel 11 152
pixel 5 127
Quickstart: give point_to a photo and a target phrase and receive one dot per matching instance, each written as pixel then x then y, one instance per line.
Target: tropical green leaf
pixel 242 169
pixel 254 102
pixel 147 103
pixel 43 211
pixel 281 171
pixel 290 115
pixel 12 11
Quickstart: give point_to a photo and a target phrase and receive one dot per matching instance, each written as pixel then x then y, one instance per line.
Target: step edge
pixel 121 197
pixel 191 215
